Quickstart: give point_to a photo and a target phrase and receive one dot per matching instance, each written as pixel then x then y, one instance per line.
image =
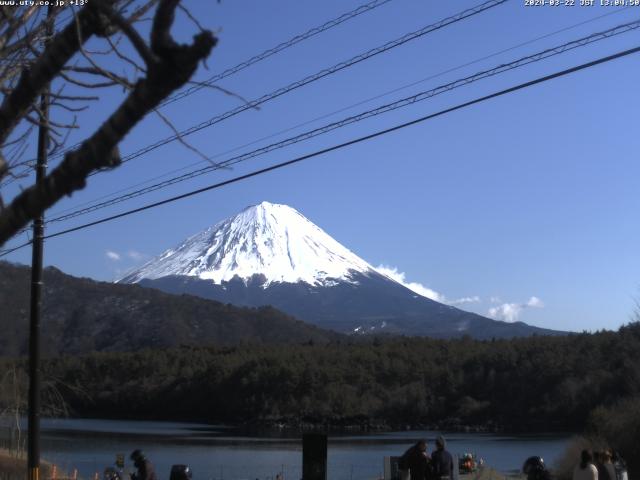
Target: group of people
pixel 422 466
pixel 144 469
pixel 600 465
pixel 597 465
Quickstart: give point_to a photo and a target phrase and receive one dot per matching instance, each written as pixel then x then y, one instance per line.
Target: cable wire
pixel 305 81
pixel 379 133
pixel 278 48
pixel 8 251
pixel 322 117
pixel 315 77
pixel 404 102
pixel 257 58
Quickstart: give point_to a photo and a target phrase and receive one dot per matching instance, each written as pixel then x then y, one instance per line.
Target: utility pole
pixel 33 454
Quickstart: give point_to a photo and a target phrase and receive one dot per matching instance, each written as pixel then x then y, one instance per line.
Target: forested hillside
pixel 540 383
pixel 81 315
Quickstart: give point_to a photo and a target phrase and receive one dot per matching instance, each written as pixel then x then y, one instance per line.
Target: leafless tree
pixel 66 48
pixel 14 403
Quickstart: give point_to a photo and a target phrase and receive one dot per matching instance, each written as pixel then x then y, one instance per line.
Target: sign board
pixel 391 469
pixel 314 456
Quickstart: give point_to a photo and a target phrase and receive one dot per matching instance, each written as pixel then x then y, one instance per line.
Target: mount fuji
pixel 270 254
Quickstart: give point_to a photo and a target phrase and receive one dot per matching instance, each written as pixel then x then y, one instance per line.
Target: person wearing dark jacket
pixel 143 466
pixel 535 469
pixel 441 461
pixel 416 460
pixel 598 461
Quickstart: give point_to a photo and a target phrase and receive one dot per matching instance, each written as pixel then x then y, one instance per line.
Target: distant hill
pixel 373 304
pixel 81 315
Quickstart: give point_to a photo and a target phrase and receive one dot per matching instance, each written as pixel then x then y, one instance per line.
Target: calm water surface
pixel 218 453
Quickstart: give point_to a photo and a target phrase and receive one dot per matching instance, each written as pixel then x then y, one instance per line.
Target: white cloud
pixel 464 300
pixel 135 255
pixel 535 302
pixel 510 312
pixel 111 255
pixel 420 289
pixel 130 255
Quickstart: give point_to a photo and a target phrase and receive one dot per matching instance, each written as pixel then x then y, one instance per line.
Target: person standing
pixel 145 470
pixel 585 470
pixel 607 460
pixel 535 469
pixel 598 461
pixel 620 467
pixel 417 461
pixel 441 461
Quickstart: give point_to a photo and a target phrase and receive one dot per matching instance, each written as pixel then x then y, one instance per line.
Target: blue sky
pixel 524 206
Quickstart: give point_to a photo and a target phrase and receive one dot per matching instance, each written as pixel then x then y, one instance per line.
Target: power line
pixel 379 133
pixel 317 76
pixel 307 122
pixel 253 60
pixel 278 48
pixel 11 250
pixel 424 95
pixel 309 79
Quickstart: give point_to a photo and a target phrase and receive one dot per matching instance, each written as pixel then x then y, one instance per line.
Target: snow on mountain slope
pixel 266 239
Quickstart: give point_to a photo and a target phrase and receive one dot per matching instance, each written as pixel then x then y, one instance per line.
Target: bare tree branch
pixel 102 72
pixel 172 66
pixel 109 50
pixel 80 83
pixel 114 47
pixel 21 138
pixel 192 18
pixel 105 19
pixel 182 140
pixel 141 11
pixel 131 33
pixel 75 98
pixel 48 65
pixel 66 107
pixel 14 26
pixel 58 144
pixel 225 91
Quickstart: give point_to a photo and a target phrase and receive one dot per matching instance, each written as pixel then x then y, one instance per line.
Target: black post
pixel 33 454
pixel 314 456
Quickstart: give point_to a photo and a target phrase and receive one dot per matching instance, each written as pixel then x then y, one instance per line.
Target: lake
pixel 221 453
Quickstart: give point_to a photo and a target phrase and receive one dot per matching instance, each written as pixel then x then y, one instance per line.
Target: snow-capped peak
pixel 266 239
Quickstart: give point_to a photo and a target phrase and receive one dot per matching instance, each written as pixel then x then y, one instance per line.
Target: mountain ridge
pixel 370 305
pixel 269 239
pixel 80 315
pixel 270 254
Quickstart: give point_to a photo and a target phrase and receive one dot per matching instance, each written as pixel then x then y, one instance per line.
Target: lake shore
pixel 370 425
pixel 222 453
pixel 13 466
